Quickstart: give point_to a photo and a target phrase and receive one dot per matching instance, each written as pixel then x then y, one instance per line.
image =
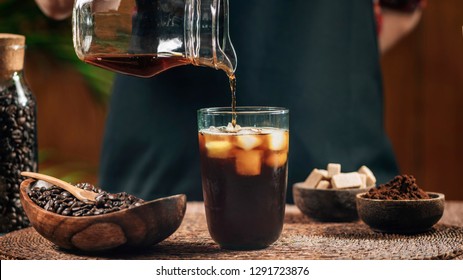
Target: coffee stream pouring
pixel 146 37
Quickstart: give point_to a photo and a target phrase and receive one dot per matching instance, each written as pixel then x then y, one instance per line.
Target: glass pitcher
pixel 146 37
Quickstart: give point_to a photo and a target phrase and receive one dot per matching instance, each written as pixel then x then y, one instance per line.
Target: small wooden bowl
pixel 401 216
pixel 327 205
pixel 144 225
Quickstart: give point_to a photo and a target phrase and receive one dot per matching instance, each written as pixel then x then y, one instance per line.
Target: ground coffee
pixel 57 200
pixel 402 187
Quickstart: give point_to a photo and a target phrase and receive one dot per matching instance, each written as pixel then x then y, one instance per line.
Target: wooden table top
pixel 302 238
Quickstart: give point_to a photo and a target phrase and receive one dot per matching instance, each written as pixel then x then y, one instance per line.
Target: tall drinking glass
pixel 244 171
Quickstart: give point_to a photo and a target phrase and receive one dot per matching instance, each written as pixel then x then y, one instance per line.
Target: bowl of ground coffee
pixel 113 221
pixel 400 206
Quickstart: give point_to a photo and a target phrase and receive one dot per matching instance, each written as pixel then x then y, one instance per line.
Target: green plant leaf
pixel 53 38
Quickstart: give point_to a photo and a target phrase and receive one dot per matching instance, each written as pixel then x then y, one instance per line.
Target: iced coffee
pixel 244 177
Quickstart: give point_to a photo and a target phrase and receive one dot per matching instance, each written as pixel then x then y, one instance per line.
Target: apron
pixel 318 58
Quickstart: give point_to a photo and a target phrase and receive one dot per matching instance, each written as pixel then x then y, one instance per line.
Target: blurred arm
pixel 56 9
pixel 395 26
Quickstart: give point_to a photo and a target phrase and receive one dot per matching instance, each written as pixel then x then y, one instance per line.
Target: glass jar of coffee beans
pixel 18 135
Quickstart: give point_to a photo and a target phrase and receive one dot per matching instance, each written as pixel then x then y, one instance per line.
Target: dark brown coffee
pixel 145 65
pixel 148 65
pixel 244 177
pixel 232 79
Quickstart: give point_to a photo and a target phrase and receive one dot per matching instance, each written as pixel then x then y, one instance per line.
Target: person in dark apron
pixel 319 59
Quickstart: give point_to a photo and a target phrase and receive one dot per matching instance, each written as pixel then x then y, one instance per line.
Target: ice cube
pixel 248 131
pixel 231 128
pixel 278 141
pixel 248 163
pixel 248 142
pixel 214 129
pixel 276 159
pixel 218 149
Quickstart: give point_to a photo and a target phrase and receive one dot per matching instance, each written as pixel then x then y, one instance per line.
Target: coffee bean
pixel 47 206
pixel 65 194
pixel 78 213
pixel 21 120
pixel 18 152
pixel 57 200
pixel 60 209
pixel 16 135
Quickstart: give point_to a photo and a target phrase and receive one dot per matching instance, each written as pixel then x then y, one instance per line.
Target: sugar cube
pixel 346 180
pixel 315 177
pixel 371 179
pixel 324 184
pixel 333 169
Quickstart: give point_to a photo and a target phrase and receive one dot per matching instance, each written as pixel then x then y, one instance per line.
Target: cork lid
pixel 11 53
pixel 7 39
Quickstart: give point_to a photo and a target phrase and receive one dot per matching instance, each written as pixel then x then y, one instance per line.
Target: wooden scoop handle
pixel 79 193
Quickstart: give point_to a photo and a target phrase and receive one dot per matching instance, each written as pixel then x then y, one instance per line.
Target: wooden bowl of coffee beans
pixel 112 221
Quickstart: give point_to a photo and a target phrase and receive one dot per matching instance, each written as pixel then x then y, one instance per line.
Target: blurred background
pixel 423 81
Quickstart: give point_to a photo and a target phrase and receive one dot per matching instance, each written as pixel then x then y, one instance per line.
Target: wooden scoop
pixel 79 193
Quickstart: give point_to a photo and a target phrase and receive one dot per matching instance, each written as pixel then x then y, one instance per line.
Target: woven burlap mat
pixel 302 238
